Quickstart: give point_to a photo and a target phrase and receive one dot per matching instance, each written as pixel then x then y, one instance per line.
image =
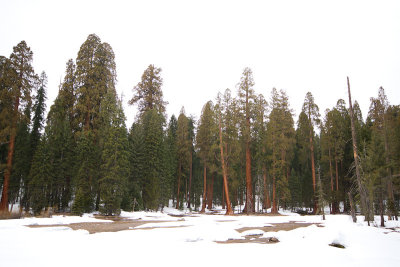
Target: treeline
pixel 244 151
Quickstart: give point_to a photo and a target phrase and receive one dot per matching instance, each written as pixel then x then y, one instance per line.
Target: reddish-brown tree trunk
pixel 10 155
pixel 274 205
pixel 224 173
pixel 249 192
pixel 203 205
pixel 179 185
pixel 333 204
pixel 190 177
pixel 337 175
pixel 313 169
pixel 223 198
pixel 211 191
pixel 267 200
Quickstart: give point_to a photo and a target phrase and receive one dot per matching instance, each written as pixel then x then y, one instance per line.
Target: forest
pixel 246 152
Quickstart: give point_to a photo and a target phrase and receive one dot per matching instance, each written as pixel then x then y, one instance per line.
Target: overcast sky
pixel 203 46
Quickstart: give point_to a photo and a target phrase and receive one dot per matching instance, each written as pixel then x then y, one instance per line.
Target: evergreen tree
pixel 152 158
pixel 183 151
pixel 204 141
pixel 281 136
pixel 67 92
pixel 147 94
pixel 303 159
pixel 41 174
pixel 312 112
pixel 259 147
pixel 137 163
pixel 39 107
pixel 19 182
pixel 167 186
pixel 115 164
pixel 95 76
pixel 233 146
pixel 88 158
pixel 22 78
pixel 246 98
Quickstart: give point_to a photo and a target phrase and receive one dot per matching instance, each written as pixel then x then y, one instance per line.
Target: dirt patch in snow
pixel 100 227
pixel 258 239
pixel 279 227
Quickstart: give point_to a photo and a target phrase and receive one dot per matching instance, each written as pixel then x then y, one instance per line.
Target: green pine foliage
pixel 39 108
pixel 88 157
pixel 86 160
pixel 152 158
pixel 41 174
pixel 115 156
pixel 22 163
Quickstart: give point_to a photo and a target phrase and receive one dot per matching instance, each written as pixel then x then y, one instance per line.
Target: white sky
pixel 203 46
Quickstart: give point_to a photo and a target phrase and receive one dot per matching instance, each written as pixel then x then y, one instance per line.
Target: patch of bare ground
pixel 251 239
pixel 119 224
pixel 279 227
pixel 258 239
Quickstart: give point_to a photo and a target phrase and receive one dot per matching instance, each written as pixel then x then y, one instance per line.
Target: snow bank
pixel 191 242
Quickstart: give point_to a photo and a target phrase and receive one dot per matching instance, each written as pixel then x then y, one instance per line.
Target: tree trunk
pixel 179 185
pixel 391 208
pixel 274 209
pixel 333 203
pixel 190 177
pixel 365 205
pixel 313 169
pixel 381 209
pixel 211 191
pixel 223 197
pixel 10 155
pixel 224 173
pixel 353 212
pixel 267 200
pixel 203 205
pixel 249 192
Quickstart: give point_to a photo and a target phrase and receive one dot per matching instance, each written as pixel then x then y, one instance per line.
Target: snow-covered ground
pixel 165 243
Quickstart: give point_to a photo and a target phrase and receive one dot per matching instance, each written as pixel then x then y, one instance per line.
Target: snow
pixel 183 238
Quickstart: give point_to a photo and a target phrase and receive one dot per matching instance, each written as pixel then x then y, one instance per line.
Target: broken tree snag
pixel 353 212
pixel 365 205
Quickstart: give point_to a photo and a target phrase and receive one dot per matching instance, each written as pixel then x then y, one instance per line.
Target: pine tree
pixel 246 96
pixel 39 107
pixel 303 159
pixel 152 158
pixel 312 112
pixel 379 115
pixel 218 108
pixel 67 92
pixel 281 140
pixel 171 161
pixel 137 163
pixel 183 151
pixel 20 93
pixel 147 93
pixel 204 141
pixel 41 174
pixel 88 158
pixel 60 138
pixel 115 164
pixel 233 146
pixel 95 74
pixel 19 182
pixel 259 143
